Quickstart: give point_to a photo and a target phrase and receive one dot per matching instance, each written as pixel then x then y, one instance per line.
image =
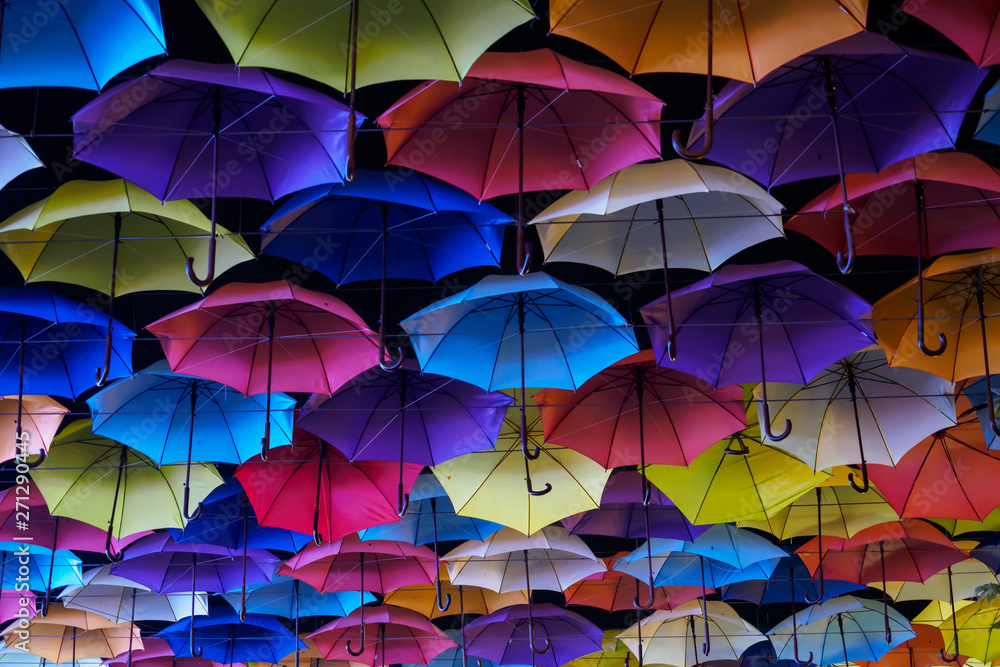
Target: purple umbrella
pixel 509 636
pixel 214 130
pixel 857 105
pixel 743 321
pixel 622 513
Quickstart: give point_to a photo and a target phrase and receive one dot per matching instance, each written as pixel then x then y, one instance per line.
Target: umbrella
pixel 366 419
pixel 670 636
pixel 155 652
pixel 85 229
pixel 510 561
pixel 163 415
pixel 892 410
pixel 423 598
pixel 976 393
pixel 18 157
pixel 193 118
pixel 948 474
pixel 282 597
pixel 971 631
pixel 616 591
pixel 490 485
pixel 623 514
pixel 924 650
pixel 938 184
pixel 790 581
pixel 436 229
pixel 956 582
pixel 77 45
pixel 100 482
pixel 454 656
pixel 712 214
pixel 429 42
pixel 541 634
pixel 119 599
pixel 39 418
pixel 429 514
pixel 858 623
pixel 518 97
pixel 937 612
pixel 15 605
pixel 45 568
pixel 225 638
pixel 780 315
pixel 718 487
pixel 634 399
pixel 987 129
pixel 346 497
pixel 385 635
pixel 63 635
pixel 248 336
pixel 41 327
pixel 973 29
pixel 469 335
pixel 672 566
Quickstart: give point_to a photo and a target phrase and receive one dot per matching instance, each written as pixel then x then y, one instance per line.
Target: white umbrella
pixel 113 597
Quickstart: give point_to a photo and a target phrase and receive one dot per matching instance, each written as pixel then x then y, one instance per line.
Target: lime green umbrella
pixel 350 43
pixel 106 484
pixel 86 230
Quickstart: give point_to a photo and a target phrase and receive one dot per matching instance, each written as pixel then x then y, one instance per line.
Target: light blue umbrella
pixel 285 598
pixel 16 156
pixel 844 629
pixel 733 546
pixel 76 44
pixel 65 566
pixel 172 418
pixel 672 566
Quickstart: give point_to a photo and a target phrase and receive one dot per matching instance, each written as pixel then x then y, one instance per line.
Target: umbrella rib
pixel 444 42
pixel 79 41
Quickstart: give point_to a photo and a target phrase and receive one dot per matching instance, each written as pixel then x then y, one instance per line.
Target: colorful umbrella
pixel 77 45
pixel 428 515
pixel 892 410
pixel 366 419
pixel 423 598
pixel 63 635
pixel 924 650
pixel 39 418
pixel 956 582
pixel 155 652
pixel 518 97
pixel 385 635
pixel 790 582
pixel 833 510
pixel 85 229
pixel 541 634
pixel 226 638
pixel 248 336
pixel 781 313
pixel 616 591
pixel 973 28
pixel 120 600
pixel 282 597
pixel 972 629
pixel 192 118
pixel 18 157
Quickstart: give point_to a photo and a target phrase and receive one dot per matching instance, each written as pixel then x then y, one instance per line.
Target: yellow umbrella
pixel 64 634
pixel 490 484
pixel 964 578
pixel 959 527
pixel 833 510
pixel 613 653
pixel 939 611
pixel 422 598
pixel 722 486
pixel 976 636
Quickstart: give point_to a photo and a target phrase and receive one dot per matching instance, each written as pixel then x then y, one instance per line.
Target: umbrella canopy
pixel 976 393
pixel 155 652
pixel 838 630
pixel 790 582
pixel 610 417
pixel 39 418
pixel 647 37
pixel 425 516
pixel 956 582
pixel 974 30
pixel 283 596
pixel 838 79
pixel 975 637
pixel 79 45
pixel 226 638
pixel 423 598
pixel 345 497
pixel 839 511
pixel 384 635
pixel 18 157
pixel 892 410
pixel 674 637
pixel 513 635
pixel 616 591
pixel 429 42
pixel 550 559
pixel 45 568
pixel 924 650
pixel 490 485
pixel 121 600
pixel 671 565
pixel 708 215
pixel 64 635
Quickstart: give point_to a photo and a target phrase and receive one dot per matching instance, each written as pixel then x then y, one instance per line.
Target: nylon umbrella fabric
pixel 674 567
pixel 66 634
pixel 224 638
pixel 75 45
pixel 790 581
pixel 398 636
pixel 839 511
pixel 283 598
pixel 924 650
pixel 709 214
pixel 422 598
pixel 155 652
pixel 38 561
pixel 976 634
pixel 41 417
pixel 973 29
pixel 615 591
pixel 976 393
pixel 965 576
pixel 503 637
pixel 120 600
pixel 425 516
pixel 18 157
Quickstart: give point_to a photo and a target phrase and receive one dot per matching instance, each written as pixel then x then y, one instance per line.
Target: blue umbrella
pixel 344 230
pixel 51 345
pixel 454 656
pixel 62 566
pixel 282 596
pixel 733 546
pixel 171 417
pixel 779 587
pixel 674 567
pixel 76 44
pixel 976 392
pixel 223 638
pixel 520 331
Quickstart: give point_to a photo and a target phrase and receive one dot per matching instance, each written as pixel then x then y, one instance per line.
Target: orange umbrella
pixel 422 598
pixel 40 419
pixel 616 591
pixel 924 650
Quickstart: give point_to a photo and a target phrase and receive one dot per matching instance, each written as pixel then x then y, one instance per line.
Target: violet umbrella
pixel 385 635
pixel 742 320
pixel 416 417
pixel 465 133
pixel 864 100
pixel 541 634
pixel 274 137
pixel 266 337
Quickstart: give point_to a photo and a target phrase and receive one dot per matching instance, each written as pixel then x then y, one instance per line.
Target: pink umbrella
pixel 573 124
pixel 261 338
pixel 972 24
pixel 155 652
pixel 11 606
pixel 385 635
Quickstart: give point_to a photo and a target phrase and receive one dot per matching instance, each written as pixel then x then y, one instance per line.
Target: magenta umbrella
pixel 381 635
pixel 534 120
pixel 524 635
pixel 260 338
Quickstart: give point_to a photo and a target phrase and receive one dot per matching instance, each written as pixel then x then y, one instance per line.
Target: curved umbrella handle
pixel 821 592
pixel 918 189
pixel 197 653
pixel 395 359
pixel 402 502
pixel 101 374
pixel 649 558
pixel 207 280
pixel 795 633
pixel 217 124
pixel 538 492
pixel 954 622
pixel 42 455
pixel 819 537
pixel 536 450
pixel 865 485
pixel 800 663
pixel 846 264
pixel 442 603
pixel 265 442
pixel 187 495
pixel 360 650
pixel 920 334
pixel 546 642
pixel 675 138
pixel 765 423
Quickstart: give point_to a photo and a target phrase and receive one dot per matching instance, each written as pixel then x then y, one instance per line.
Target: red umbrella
pixel 261 338
pixel 972 24
pixel 928 205
pixel 615 591
pixel 345 497
pixel 381 635
pixel 950 474
pixel 534 120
